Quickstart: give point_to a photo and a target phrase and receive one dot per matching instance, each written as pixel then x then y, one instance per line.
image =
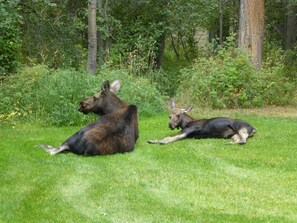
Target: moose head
pixel 178 116
pixel 104 102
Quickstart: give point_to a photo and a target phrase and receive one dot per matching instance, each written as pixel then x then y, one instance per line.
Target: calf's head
pixel 104 102
pixel 177 116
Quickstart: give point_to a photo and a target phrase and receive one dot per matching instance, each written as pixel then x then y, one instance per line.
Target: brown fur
pixel 115 132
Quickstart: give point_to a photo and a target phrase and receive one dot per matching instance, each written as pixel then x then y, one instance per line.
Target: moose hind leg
pixel 243 132
pixel 236 139
pixel 59 149
pixel 240 137
pixel 47 148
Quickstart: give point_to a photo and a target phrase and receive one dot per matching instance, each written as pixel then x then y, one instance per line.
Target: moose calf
pixel 115 132
pixel 219 127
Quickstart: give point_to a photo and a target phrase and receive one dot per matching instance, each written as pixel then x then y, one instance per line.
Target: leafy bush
pixel 10 42
pixel 52 97
pixel 274 85
pixel 228 80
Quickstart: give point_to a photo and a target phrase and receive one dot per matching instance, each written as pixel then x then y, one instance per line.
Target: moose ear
pixel 105 86
pixel 115 86
pixel 173 105
pixel 187 109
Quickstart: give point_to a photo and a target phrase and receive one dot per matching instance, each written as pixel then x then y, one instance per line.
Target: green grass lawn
pixel 186 181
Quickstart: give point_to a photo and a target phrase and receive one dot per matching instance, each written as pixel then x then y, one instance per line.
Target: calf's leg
pixel 168 139
pixel 243 132
pixel 240 137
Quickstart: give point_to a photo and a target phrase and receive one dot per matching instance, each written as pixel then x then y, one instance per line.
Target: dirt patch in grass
pixel 290 112
pixel 270 111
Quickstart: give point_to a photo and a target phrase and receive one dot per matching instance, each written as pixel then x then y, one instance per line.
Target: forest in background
pixel 166 48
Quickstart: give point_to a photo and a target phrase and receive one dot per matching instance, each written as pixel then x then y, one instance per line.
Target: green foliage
pixel 166 82
pixel 54 33
pixel 185 18
pixel 228 80
pixel 290 61
pixel 52 96
pixel 10 41
pixel 136 35
pixel 276 83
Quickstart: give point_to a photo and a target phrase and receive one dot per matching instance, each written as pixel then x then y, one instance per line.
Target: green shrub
pixel 221 81
pixel 276 83
pixel 228 80
pixel 10 41
pixel 52 96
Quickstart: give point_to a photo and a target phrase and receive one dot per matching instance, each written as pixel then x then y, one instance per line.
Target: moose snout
pixel 82 109
pixel 171 126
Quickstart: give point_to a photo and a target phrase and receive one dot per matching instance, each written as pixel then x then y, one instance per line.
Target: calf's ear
pixel 187 109
pixel 105 86
pixel 115 86
pixel 173 105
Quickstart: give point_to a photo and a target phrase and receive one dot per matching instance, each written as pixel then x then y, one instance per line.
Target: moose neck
pixel 113 105
pixel 185 120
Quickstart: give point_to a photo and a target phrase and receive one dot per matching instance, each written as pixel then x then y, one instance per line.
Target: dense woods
pixel 138 32
pixel 196 51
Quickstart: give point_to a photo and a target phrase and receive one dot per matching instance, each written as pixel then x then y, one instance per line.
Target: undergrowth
pixel 52 96
pixel 227 79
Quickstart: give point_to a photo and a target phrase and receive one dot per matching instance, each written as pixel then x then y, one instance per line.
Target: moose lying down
pixel 219 127
pixel 115 132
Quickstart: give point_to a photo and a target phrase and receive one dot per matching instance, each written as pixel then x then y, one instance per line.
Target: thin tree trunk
pixel 183 46
pixel 108 40
pixel 99 38
pixel 92 37
pixel 221 23
pixel 160 54
pixel 251 29
pixel 291 26
pixel 174 47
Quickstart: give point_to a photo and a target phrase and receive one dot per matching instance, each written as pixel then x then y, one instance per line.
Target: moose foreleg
pixel 168 139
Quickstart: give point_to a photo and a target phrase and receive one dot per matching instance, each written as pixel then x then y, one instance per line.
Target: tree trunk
pixel 174 47
pixel 291 26
pixel 160 53
pixel 99 38
pixel 251 29
pixel 108 39
pixel 92 37
pixel 221 22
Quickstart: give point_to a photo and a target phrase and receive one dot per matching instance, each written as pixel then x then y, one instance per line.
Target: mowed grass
pixel 186 181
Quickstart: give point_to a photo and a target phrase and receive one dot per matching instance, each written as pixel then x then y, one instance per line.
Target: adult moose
pixel 219 127
pixel 115 132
